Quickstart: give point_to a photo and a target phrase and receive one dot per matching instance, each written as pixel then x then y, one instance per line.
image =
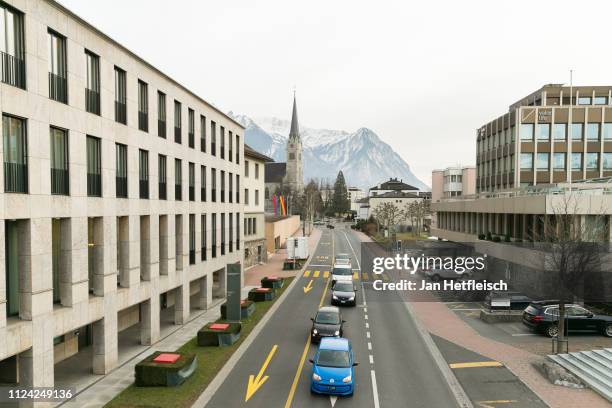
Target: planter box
pixel 153 374
pixel 272 282
pixel 261 294
pixel 219 334
pixel 247 308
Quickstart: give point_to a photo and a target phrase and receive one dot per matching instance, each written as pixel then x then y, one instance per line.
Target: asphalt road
pixel 395 368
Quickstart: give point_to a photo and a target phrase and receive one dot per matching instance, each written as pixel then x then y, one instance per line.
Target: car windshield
pixel 343 287
pixel 333 358
pixel 341 271
pixel 326 317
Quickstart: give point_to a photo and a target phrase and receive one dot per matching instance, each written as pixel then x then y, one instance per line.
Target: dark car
pixel 344 293
pixel 543 317
pixel 330 226
pixel 500 300
pixel 327 323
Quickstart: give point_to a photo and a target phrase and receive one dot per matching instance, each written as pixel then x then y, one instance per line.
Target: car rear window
pixel 343 287
pixel 333 358
pixel 341 271
pixel 531 310
pixel 327 318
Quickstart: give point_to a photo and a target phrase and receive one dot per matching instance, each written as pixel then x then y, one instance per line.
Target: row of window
pixel 246 169
pixel 246 196
pixel 578 131
pixel 591 160
pixel 250 226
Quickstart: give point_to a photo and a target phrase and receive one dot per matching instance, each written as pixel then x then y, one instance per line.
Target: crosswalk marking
pixel 385 277
pixel 316 274
pixel 326 274
pixel 364 276
pixel 355 276
pixel 306 274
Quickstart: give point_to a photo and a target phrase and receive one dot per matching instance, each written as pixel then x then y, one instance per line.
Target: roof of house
pixel 275 172
pixel 250 152
pixel 397 194
pixel 394 184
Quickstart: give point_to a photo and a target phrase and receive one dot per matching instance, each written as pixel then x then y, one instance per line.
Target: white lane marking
pixel 333 400
pixel 523 334
pixel 375 389
pixel 367 325
pixel 365 309
pixel 320 265
pixel 371 357
pixel 369 346
pixel 368 334
pixel 365 317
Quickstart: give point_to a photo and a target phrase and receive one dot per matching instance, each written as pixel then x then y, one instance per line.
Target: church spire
pixel 294 131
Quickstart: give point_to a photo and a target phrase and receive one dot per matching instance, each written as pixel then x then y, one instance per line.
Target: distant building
pixel 393 184
pixel 391 191
pixel 456 181
pixel 354 195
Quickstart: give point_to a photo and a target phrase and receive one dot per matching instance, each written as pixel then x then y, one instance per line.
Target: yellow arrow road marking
pixel 476 364
pixel 256 382
pixel 325 274
pixel 308 287
pixel 306 274
pixel 491 404
pixel 316 274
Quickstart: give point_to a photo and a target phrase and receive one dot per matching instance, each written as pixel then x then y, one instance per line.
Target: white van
pixel 342 273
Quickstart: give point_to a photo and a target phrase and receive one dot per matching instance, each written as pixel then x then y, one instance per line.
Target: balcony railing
pixel 191 193
pixel 192 257
pixel 144 188
pixel 58 88
pixel 121 112
pixel 143 121
pixel 178 192
pixel 60 182
pixel 191 140
pixel 162 191
pixel 202 144
pixel 177 134
pixel 13 70
pixel 203 194
pixel 203 254
pixel 161 128
pixel 122 186
pixel 92 101
pixel 94 185
pixel 15 177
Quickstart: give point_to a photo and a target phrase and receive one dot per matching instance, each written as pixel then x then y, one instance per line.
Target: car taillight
pixel 537 318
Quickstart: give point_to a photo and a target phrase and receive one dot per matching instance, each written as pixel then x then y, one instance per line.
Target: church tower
pixel 294 177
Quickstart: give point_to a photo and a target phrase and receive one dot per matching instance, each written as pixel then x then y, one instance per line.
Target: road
pixel 395 367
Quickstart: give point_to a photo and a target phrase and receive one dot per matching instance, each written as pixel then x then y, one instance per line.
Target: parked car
pixel 330 226
pixel 333 369
pixel 341 273
pixel 326 323
pixel 500 300
pixel 446 274
pixel 344 293
pixel 543 317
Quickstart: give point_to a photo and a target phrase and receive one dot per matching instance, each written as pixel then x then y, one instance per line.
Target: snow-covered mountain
pixel 364 159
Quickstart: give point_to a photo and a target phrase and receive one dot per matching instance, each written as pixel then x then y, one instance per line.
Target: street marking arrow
pixel 308 287
pixel 256 382
pixel 333 400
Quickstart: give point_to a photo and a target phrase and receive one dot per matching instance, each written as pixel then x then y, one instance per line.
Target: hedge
pixel 261 296
pixel 272 283
pixel 247 308
pixel 211 337
pixel 151 374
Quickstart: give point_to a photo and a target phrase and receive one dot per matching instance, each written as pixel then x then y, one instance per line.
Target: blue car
pixel 333 367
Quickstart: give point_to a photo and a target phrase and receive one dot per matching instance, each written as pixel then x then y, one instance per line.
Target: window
pixel 92 90
pixel 178 180
pixel 222 140
pixel 559 161
pixel 257 170
pixel 526 131
pixel 256 197
pixel 94 167
pixel 161 166
pixel 143 106
pixel 202 133
pixel 161 114
pixel 543 131
pixel 584 100
pixel 230 229
pixel 230 180
pixel 12 50
pixel 213 187
pixel 600 100
pixel 576 131
pixel 15 154
pixel 203 238
pixel 512 133
pixel 230 152
pixel 222 233
pixel 560 131
pixel 607 161
pixel 143 171
pixel 237 188
pixel 237 156
pixel 592 131
pixel 191 182
pixel 121 174
pixel 58 67
pixel 607 131
pixel 213 138
pixel 576 161
pixel 120 96
pixel 246 196
pixel 246 168
pixel 237 231
pixel 60 181
pixel 543 161
pixel 222 176
pixel 213 235
pixel 592 161
pixel 177 122
pixel 191 128
pixel 202 183
pixel 526 161
pixel 192 239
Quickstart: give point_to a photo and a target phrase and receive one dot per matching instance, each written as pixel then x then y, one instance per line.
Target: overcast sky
pixel 422 75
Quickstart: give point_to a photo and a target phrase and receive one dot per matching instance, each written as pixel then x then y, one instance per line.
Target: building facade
pixel 121 195
pixel 556 134
pixel 254 222
pixel 453 181
pixel 354 195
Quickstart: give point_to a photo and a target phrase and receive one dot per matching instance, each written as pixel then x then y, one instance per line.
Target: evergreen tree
pixel 340 201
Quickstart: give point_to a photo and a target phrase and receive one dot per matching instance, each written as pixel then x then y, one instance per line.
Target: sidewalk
pixel 441 321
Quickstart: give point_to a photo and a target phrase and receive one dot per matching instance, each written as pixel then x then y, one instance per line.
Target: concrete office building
pixel 120 207
pixel 453 181
pixel 556 134
pixel 254 219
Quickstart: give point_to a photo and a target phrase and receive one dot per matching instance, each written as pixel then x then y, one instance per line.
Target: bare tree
pixel 311 204
pixel 388 214
pixel 415 212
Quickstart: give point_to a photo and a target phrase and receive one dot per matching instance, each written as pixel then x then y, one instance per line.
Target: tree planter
pixel 272 282
pixel 219 334
pixel 150 373
pixel 261 294
pixel 247 308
